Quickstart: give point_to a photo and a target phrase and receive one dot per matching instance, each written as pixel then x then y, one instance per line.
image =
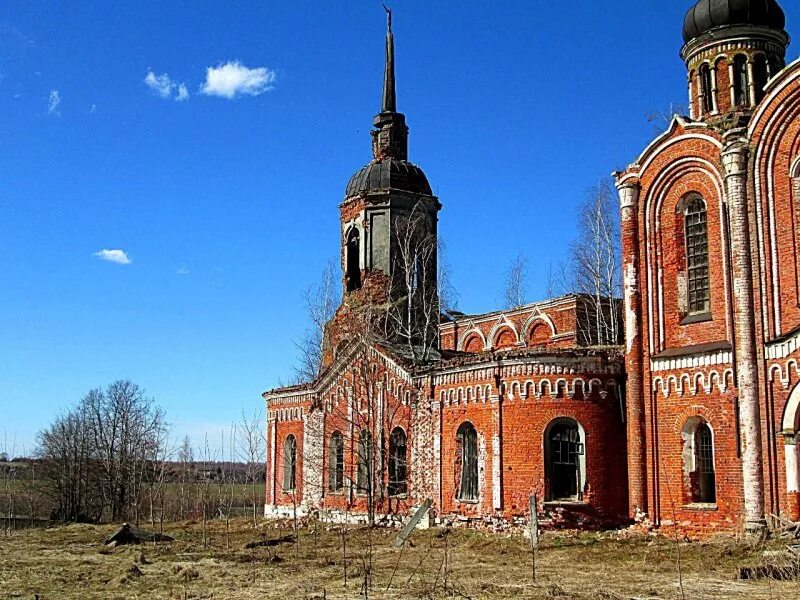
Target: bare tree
pixel 251 449
pixel 595 265
pixel 321 302
pixel 661 119
pixel 448 295
pixel 96 457
pixel 515 289
pixel 187 476
pixel 412 314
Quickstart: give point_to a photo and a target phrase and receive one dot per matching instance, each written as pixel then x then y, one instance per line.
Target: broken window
pixel 365 455
pixel 563 453
pixel 397 462
pixel 290 463
pixel 706 88
pixel 740 80
pixel 696 228
pixel 467 442
pixel 353 266
pixel 705 490
pixel 336 462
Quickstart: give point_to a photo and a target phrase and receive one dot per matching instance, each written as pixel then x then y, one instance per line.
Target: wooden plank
pixel 534 524
pixel 412 523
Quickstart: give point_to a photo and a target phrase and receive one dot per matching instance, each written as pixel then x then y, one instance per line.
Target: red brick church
pixel 694 419
pixel 711 268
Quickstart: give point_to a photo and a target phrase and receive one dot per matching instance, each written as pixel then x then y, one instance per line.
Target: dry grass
pixel 67 563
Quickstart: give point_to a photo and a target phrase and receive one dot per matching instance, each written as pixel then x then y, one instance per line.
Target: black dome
pixel 710 14
pixel 389 174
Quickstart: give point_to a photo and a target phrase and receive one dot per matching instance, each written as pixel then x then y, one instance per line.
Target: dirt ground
pixel 69 562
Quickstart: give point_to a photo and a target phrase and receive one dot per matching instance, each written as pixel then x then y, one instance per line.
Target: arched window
pixel 467 462
pixel 336 462
pixel 760 76
pixel 353 265
pixel 290 464
pixel 774 65
pixel 740 81
pixel 697 278
pixel 397 462
pixel 706 88
pixel 564 451
pixel 366 453
pixel 705 488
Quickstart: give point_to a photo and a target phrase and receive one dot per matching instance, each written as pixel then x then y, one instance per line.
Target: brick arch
pixel 538 330
pixel 791 413
pixel 504 339
pixel 775 134
pixel 678 179
pixel 507 330
pixel 472 337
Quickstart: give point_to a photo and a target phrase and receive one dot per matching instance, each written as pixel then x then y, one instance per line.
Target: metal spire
pixel 389 95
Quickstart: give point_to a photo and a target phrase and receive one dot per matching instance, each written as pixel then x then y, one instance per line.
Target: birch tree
pixel 595 265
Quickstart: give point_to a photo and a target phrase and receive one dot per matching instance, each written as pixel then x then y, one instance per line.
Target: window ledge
pixel 467 501
pixel 696 318
pixel 565 502
pixel 701 506
pixel 398 496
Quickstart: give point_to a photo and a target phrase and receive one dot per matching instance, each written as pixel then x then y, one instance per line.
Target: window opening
pixel 353 271
pixel 704 462
pixel 365 455
pixel 467 439
pixel 697 257
pixel 760 76
pixel 397 462
pixel 740 83
pixel 336 462
pixel 565 449
pixel 705 87
pixel 290 464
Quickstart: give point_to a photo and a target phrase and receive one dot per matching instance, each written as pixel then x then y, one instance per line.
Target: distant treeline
pixel 110 458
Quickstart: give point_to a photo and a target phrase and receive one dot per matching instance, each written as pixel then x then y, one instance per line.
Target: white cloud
pixel 183 271
pixel 114 256
pixel 182 93
pixel 234 79
pixel 53 102
pixel 163 86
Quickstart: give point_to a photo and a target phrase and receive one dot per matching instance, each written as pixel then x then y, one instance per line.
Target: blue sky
pixel 227 207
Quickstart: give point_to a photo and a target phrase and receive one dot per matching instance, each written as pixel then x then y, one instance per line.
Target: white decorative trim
pixel 691 361
pixel 784 348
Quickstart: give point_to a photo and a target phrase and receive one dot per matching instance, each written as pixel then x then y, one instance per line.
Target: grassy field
pixel 69 562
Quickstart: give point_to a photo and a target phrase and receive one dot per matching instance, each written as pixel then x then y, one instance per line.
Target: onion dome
pixel 708 15
pixel 389 174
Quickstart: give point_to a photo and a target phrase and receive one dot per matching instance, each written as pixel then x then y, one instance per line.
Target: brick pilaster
pixel 734 161
pixel 634 392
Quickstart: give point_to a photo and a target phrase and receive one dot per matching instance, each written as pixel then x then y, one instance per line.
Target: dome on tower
pixel 707 15
pixel 387 174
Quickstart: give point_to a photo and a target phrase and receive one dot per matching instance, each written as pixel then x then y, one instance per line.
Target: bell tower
pixel 389 229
